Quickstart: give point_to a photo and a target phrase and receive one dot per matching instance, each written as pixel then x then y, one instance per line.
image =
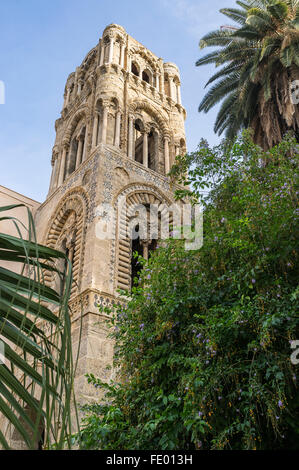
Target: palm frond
pixel 239 16
pixel 36 378
pixel 216 38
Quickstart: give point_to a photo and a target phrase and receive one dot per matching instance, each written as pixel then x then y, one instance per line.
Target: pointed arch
pixel 68 225
pixel 80 115
pixel 153 112
pixel 134 195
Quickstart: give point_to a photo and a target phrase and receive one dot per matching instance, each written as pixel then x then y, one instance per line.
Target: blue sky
pixel 42 41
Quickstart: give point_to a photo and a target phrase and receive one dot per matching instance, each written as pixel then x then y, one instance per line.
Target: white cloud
pixel 199 16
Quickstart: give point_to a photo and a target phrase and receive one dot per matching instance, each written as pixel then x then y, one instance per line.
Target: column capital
pixel 106 103
pixel 65 145
pixel 110 35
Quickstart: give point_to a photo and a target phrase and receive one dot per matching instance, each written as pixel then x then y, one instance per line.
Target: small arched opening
pixel 135 69
pixel 146 76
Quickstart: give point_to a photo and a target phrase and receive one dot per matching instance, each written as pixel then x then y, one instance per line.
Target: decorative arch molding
pixel 80 114
pixel 135 194
pixel 153 112
pixel 146 56
pixel 69 222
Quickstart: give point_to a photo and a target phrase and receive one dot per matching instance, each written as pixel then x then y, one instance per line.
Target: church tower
pixel 121 127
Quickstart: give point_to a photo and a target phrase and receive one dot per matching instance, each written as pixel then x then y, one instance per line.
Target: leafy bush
pixel 203 345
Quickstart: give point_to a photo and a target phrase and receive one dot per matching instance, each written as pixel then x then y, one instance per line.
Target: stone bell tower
pixel 121 126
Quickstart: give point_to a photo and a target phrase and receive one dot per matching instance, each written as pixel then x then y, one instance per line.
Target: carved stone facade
pixel 121 126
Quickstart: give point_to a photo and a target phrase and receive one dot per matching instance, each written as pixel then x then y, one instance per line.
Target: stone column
pixel 145 149
pixel 84 145
pixel 117 130
pixel 122 54
pixel 62 166
pixel 145 249
pixel 179 94
pixel 131 137
pixel 171 88
pixel 95 131
pixel 129 63
pixel 166 155
pixel 102 52
pixel 54 164
pixel 111 50
pixel 157 156
pixel 104 125
pixel 79 87
pixel 55 173
pixel 79 152
pixel 67 99
pixel 162 89
pixel 158 81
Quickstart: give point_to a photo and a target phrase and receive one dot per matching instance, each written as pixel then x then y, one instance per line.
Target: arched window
pixel 142 240
pixel 135 69
pixel 146 76
pixel 142 248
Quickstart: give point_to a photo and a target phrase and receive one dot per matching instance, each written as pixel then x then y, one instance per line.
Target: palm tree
pixel 36 366
pixel 260 70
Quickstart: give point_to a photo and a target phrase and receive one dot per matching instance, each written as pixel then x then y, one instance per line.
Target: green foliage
pixel 36 379
pixel 203 345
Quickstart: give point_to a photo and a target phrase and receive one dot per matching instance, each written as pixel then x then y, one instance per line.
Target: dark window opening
pixel 151 151
pixel 138 143
pixel 145 77
pixel 135 70
pixel 135 265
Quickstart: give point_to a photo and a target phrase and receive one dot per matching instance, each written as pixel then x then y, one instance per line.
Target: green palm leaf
pixel 36 380
pixel 258 51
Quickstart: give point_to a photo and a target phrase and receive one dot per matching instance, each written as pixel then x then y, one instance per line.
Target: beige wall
pixel 9 197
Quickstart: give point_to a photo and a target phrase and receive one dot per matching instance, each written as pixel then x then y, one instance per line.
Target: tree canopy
pixel 203 345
